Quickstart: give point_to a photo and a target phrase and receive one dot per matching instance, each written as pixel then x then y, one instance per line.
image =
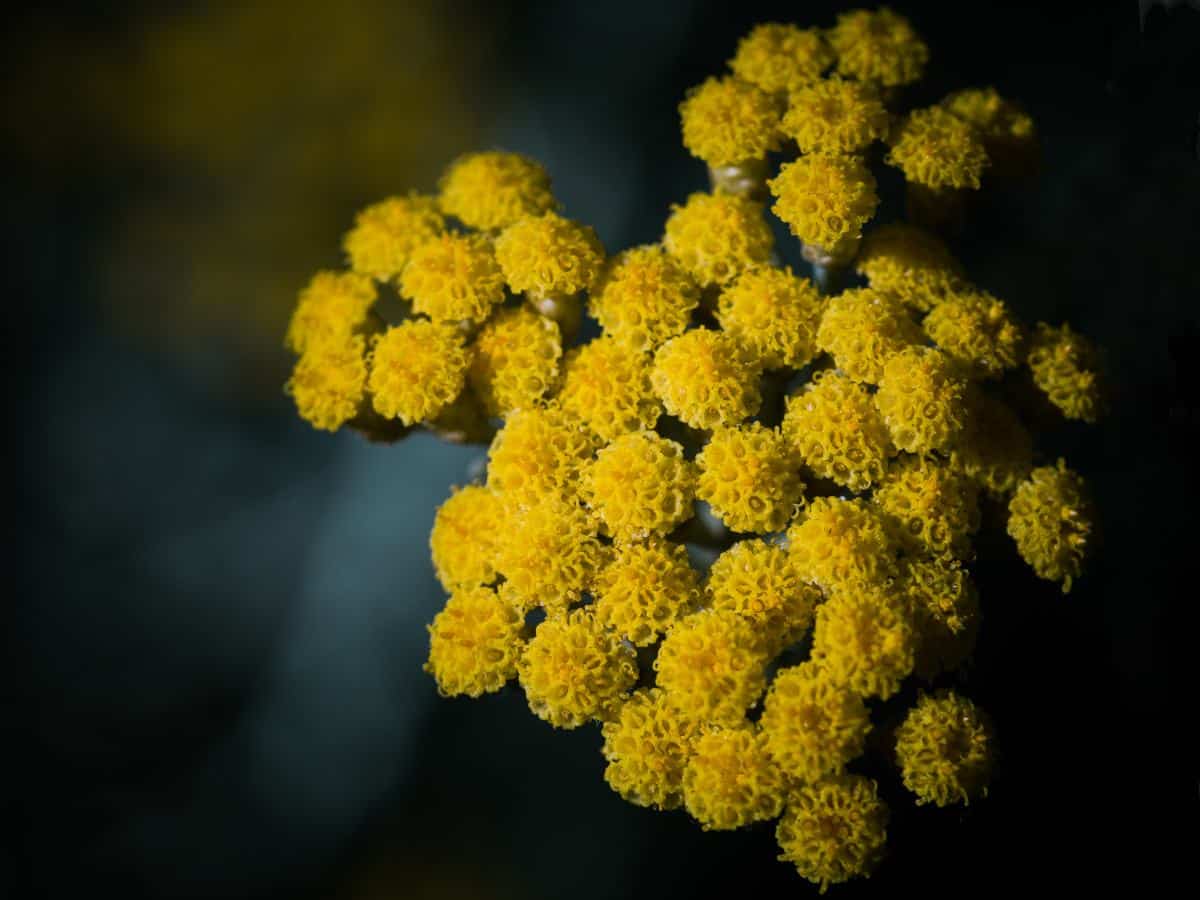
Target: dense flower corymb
pixel 757 580
pixel 331 308
pixel 647 747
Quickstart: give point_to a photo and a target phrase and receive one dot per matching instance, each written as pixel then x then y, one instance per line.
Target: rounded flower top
pixel 644 588
pixel 516 360
pixel 465 537
pixel 977 331
pixel 548 255
pixel 647 747
pixel 639 485
pixel 1050 518
pixel 607 386
pixel 329 381
pixel 417 369
pixel 936 149
pixel 727 121
pixel 1066 366
pixel 825 198
pixel 862 329
pixel 453 278
pixel 493 190
pixel 864 639
pixel 878 45
pixel 333 306
pixel 643 298
pixel 549 554
pixel 1006 128
pixel 715 236
pixel 911 264
pixel 540 451
pixel 773 314
pixel 731 780
pixel 922 400
pixel 835 116
pixel 779 58
pixel 706 379
pixel 474 644
pixel 995 449
pixel 385 234
pixel 758 581
pixel 944 749
pixel 748 474
pixel 843 545
pixel 946 613
pixel 936 506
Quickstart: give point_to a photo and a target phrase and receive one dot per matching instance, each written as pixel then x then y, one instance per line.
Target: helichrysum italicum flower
pixel 834 830
pixel 549 554
pixel 748 475
pixel 548 255
pixel 936 506
pixel 493 190
pixel 728 121
pixel 836 429
pixel 1050 518
pixel 1006 129
pixel 606 385
pixel 540 451
pixel 417 369
pixel 864 640
pixel 936 149
pixel 716 236
pixel 835 116
pixel 878 45
pixel 910 264
pixel 945 607
pixel 712 666
pixel 516 360
pixel 825 199
pixel 779 58
pixel 643 298
pixel 644 588
pixel 639 485
pixel 474 643
pixel 574 670
pixel 995 448
pixel 731 780
pixel 843 545
pixel 647 747
pixel 706 379
pixel 977 331
pixel 333 306
pixel 773 314
pixel 1066 366
pixel 922 399
pixel 453 278
pixel 386 233
pixel 944 749
pixel 811 726
pixel 757 580
pixel 466 533
pixel 862 329
pixel 329 381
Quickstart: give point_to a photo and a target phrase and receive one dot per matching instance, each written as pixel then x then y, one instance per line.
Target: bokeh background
pixel 216 626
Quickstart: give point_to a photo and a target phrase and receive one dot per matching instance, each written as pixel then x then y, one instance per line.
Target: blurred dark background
pixel 217 624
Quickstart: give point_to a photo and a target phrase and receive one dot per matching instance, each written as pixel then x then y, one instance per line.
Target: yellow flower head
pixel 712 666
pixel 706 379
pixel 453 278
pixel 727 121
pixel 385 234
pixel 466 533
pixel 936 506
pixel 333 306
pixel 731 780
pixel 493 190
pixel 643 297
pixel 837 431
pixel 417 369
pixel 773 314
pixel 639 485
pixel 864 639
pixel 834 830
pixel 647 747
pixel 547 255
pixel 843 545
pixel 811 726
pixel 328 382
pixel 644 588
pixel 757 580
pixel 936 149
pixel 835 116
pixel 715 236
pixel 862 329
pixel 779 58
pixel 995 449
pixel 549 554
pixel 1066 366
pixel 575 670
pixel 516 360
pixel 540 451
pixel 1006 129
pixel 944 748
pixel 606 385
pixel 825 198
pixel 910 264
pixel 1050 518
pixel 474 644
pixel 977 331
pixel 748 475
pixel 946 613
pixel 923 400
pixel 878 45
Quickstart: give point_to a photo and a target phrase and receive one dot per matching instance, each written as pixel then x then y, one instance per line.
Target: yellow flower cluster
pixel 936 149
pixel 825 198
pixel 878 46
pixel 748 475
pixel 1007 130
pixel 329 382
pixel 727 121
pixel 863 640
pixel 1050 518
pixel 731 780
pixel 453 278
pixel 773 314
pixel 779 58
pixel 1066 366
pixel 417 369
pixel 332 307
pixel 645 588
pixel 474 643
pixel 977 330
pixel 946 613
pixel 835 116
pixel 706 379
pixel 995 448
pixel 548 255
pixel 843 545
pixel 922 400
pixel 943 748
pixel 385 234
pixel 644 298
pixel 935 506
pixel 647 747
pixel 465 538
pixel 862 329
pixel 640 484
pixel 493 190
pixel 910 264
pixel 606 385
pixel 716 236
pixel 539 452
pixel 758 581
pixel 813 727
pixel 516 360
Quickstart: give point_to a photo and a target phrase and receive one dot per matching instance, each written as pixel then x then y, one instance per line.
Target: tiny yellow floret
pixel 716 236
pixel 944 750
pixel 1050 518
pixel 1066 367
pixel 911 264
pixel 474 644
pixel 647 747
pixel 453 278
pixel 549 255
pixel 493 190
pixel 978 332
pixel 329 381
pixel 773 314
pixel 779 58
pixel 862 329
pixel 835 116
pixel 864 640
pixel 825 199
pixel 640 485
pixel 936 149
pixel 385 234
pixel 843 545
pixel 643 298
pixel 878 45
pixel 731 781
pixel 417 368
pixel 727 121
pixel 466 533
pixel 749 475
pixel 706 379
pixel 332 307
pixel 923 400
pixel 758 581
pixel 644 588
pixel 606 385
pixel 516 360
